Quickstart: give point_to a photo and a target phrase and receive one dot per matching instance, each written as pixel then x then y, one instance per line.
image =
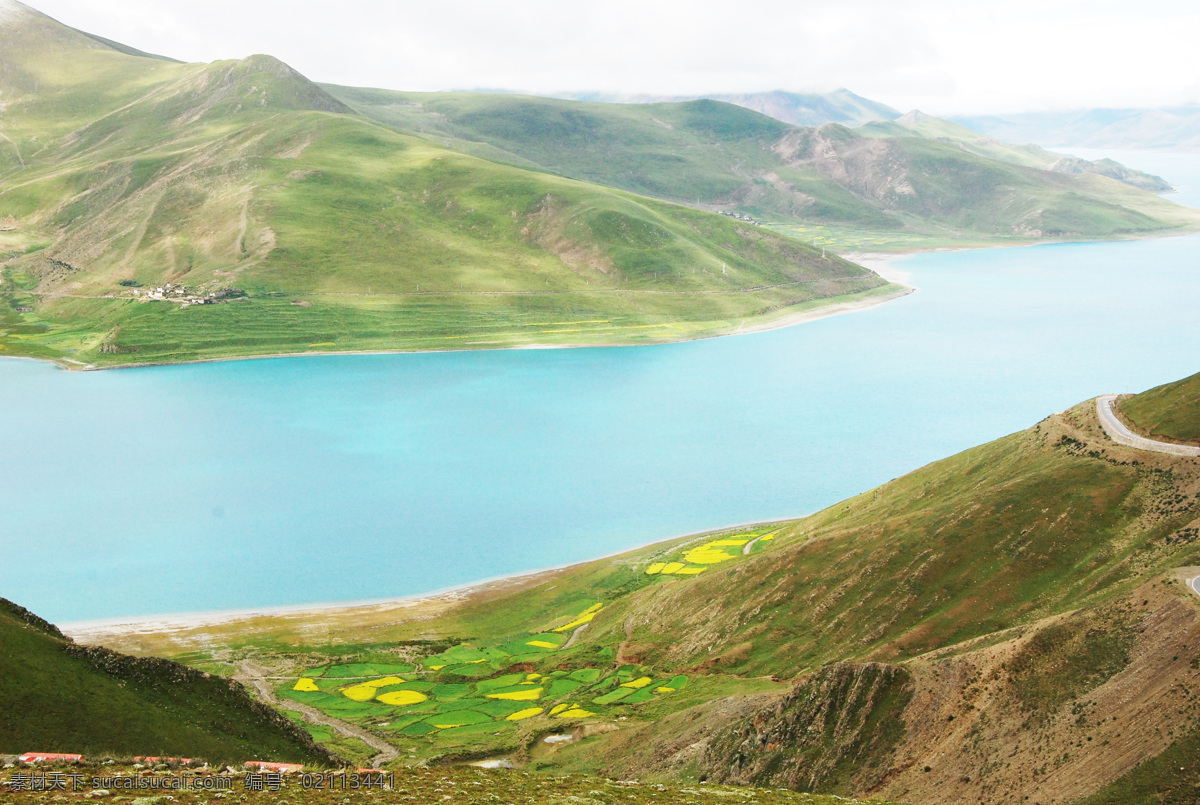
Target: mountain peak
pixel 913 117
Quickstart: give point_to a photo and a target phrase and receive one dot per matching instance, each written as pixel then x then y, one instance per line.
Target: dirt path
pixel 15 148
pixel 574 636
pixel 1119 433
pixel 750 545
pixel 257 676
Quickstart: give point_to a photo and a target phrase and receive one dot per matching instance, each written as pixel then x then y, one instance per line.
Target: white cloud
pixel 944 57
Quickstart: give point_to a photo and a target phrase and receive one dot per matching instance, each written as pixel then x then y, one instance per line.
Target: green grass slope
pixel 336 232
pixel 1170 411
pixel 827 185
pixel 60 697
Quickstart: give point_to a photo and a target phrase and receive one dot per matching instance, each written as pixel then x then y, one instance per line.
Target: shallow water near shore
pixel 288 481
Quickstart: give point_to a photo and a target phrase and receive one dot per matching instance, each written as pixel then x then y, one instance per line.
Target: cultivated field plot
pixel 469 691
pixel 695 561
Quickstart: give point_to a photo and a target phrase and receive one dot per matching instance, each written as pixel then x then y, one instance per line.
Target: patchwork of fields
pixel 469 692
pixel 484 696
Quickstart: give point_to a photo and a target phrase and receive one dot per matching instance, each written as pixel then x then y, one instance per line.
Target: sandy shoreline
pixel 91 631
pixel 315 616
pixel 881 264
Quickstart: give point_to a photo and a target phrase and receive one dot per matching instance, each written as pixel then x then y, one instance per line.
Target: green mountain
pixel 289 224
pixel 1009 622
pixel 829 185
pixel 61 697
pixel 152 211
pixel 918 124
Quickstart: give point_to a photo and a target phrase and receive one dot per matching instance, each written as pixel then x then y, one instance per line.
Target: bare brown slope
pixel 1053 712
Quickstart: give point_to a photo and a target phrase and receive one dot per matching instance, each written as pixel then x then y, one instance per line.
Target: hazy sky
pixel 942 56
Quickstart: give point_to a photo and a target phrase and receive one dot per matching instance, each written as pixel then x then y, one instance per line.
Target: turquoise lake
pixel 298 480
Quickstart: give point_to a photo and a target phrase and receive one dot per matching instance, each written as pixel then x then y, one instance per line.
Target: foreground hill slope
pixel 289 224
pixel 1009 622
pixel 61 697
pixel 831 184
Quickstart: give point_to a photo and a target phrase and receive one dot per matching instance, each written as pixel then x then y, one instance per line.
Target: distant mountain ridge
pixel 890 179
pixel 799 109
pixel 1164 128
pixel 916 123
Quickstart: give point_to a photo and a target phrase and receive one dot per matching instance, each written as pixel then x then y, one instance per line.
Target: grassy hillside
pixel 1170 412
pixel 244 181
pixel 60 697
pixel 829 186
pixel 1019 600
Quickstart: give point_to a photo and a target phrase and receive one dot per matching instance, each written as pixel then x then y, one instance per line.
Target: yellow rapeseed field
pixel 365 691
pixel 531 695
pixel 528 712
pixel 401 698
pixel 585 617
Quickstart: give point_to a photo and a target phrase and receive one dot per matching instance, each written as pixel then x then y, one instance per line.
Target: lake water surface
pixel 297 480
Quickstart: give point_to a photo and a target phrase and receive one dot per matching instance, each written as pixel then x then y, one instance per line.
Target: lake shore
pixel 813 310
pixel 175 633
pixel 106 630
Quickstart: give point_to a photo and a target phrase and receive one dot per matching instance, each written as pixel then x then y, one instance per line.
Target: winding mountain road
pixel 1119 433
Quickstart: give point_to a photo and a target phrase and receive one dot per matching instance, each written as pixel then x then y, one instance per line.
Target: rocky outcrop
pixel 836 731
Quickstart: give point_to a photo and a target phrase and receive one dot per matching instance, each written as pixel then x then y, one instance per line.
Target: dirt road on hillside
pixel 256 675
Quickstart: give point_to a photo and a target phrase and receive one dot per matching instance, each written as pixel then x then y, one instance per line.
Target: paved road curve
pixel 1120 434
